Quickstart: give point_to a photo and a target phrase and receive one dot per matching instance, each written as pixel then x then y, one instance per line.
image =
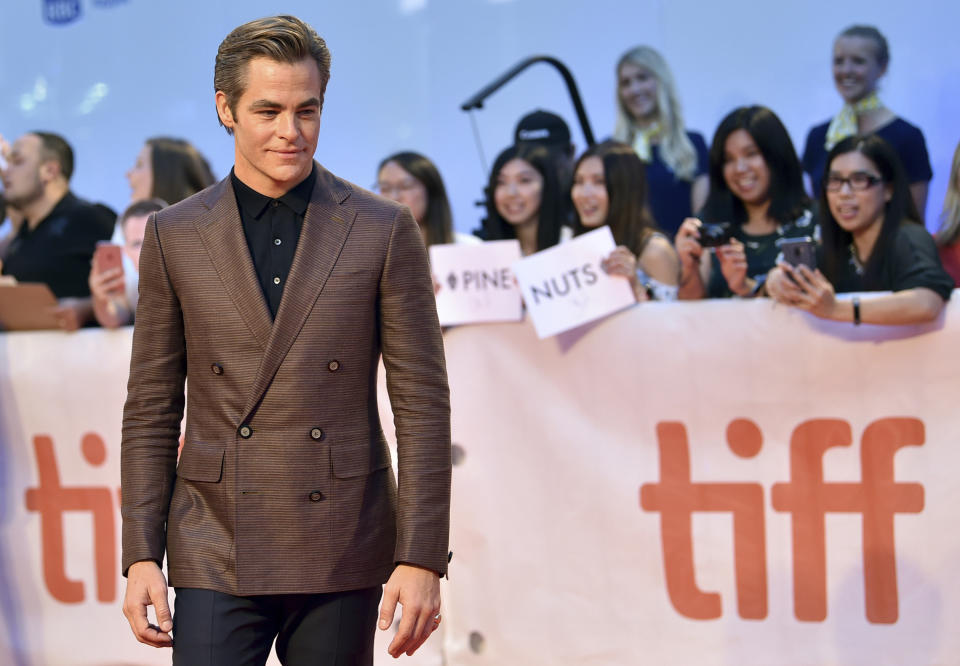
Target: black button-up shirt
pixel 272 229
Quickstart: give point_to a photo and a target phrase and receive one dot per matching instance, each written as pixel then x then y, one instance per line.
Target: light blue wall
pixel 401 68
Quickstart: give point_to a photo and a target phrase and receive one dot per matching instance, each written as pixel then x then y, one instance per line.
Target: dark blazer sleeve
pixel 412 348
pixel 154 408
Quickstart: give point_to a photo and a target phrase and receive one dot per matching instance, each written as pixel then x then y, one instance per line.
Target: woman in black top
pixel 524 200
pixel 871 242
pixel 756 188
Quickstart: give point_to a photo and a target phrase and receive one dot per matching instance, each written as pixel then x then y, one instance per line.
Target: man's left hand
pixel 72 313
pixel 418 591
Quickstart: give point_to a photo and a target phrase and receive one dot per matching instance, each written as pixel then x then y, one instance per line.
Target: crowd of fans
pixel 690 221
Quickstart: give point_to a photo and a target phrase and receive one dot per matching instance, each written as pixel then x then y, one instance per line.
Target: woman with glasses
pixel 413 180
pixel 871 242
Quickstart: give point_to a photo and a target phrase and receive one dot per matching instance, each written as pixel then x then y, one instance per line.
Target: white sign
pixel 474 282
pixel 564 286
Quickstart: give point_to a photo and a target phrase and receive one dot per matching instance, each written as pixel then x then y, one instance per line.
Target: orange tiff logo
pixel 51 499
pixel 806 497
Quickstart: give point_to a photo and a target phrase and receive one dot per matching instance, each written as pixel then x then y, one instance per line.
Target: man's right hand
pixel 146 586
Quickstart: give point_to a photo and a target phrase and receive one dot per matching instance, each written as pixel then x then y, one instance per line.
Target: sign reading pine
pixel 474 283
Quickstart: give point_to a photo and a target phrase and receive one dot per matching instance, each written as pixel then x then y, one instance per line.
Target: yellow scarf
pixel 643 139
pixel 844 124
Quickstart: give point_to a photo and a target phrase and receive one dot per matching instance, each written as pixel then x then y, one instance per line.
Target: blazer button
pixel 316 434
pixel 316 496
pixel 246 431
pixel 217 369
pixel 333 365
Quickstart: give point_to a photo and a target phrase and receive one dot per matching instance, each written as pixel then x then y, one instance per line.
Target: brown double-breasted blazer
pixel 284 483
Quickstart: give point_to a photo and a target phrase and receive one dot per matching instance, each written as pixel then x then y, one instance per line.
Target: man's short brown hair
pixel 54 148
pixel 281 38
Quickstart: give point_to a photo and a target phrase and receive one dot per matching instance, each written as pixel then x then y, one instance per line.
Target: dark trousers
pixel 216 629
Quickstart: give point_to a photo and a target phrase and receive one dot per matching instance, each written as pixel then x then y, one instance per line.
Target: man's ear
pixel 223 110
pixel 49 170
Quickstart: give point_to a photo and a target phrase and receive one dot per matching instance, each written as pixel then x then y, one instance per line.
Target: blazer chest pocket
pixel 201 462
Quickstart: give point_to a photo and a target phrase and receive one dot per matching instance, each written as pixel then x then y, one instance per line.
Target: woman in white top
pixel 609 187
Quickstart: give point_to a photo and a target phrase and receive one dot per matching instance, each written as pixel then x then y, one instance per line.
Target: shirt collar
pixel 252 203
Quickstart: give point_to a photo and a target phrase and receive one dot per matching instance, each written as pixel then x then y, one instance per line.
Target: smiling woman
pixel 871 242
pixel 523 199
pixel 756 189
pixel 650 118
pixel 860 59
pixel 610 188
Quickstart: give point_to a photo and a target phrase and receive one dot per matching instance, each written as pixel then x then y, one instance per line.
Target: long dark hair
pixel 438 221
pixel 787 197
pixel 900 209
pixel 549 219
pixel 179 170
pixel 625 178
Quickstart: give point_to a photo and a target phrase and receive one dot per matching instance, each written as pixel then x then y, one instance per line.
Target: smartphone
pixel 715 235
pixel 799 251
pixel 107 256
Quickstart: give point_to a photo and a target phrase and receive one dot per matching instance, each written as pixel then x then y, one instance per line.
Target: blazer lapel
pixel 325 228
pixel 221 233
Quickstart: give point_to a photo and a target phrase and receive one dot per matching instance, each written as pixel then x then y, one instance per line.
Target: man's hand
pixel 146 586
pixel 72 313
pixel 418 591
pixel 106 284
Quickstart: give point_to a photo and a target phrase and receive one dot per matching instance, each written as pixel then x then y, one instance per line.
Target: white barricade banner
pixel 474 282
pixel 564 286
pixel 713 483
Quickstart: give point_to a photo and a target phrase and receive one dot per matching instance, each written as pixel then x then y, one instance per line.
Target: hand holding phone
pixel 107 256
pixel 800 252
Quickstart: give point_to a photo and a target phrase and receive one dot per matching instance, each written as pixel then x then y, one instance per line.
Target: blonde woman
pixel 650 118
pixel 861 57
pixel 948 236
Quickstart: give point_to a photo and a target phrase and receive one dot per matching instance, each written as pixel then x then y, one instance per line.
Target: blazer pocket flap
pixel 351 461
pixel 200 462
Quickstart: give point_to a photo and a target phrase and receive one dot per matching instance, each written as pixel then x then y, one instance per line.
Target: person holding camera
pixel 756 199
pixel 610 188
pixel 872 241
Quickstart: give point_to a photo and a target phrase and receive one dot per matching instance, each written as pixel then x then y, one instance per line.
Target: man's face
pixel 22 179
pixel 134 229
pixel 276 124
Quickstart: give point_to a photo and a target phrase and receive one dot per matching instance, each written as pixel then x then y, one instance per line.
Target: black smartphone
pixel 715 235
pixel 800 251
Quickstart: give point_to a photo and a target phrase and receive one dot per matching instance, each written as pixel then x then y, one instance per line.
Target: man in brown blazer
pixel 273 294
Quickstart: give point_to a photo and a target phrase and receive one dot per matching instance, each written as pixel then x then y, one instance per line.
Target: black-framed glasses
pixel 858 181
